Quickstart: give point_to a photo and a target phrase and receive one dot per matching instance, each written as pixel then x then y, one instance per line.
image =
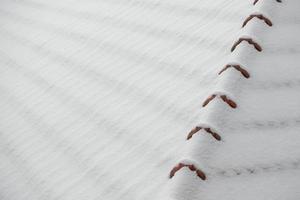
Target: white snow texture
pixel 97 98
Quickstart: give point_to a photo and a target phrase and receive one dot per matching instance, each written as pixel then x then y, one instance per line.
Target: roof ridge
pixel 223 94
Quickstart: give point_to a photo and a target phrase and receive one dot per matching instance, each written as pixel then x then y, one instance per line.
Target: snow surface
pixel 97 99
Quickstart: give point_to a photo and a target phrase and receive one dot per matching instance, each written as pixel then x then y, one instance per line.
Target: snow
pixel 97 99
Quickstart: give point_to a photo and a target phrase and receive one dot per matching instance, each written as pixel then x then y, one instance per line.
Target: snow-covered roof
pixel 140 99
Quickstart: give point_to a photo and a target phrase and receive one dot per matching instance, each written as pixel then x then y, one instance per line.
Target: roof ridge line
pixel 225 95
